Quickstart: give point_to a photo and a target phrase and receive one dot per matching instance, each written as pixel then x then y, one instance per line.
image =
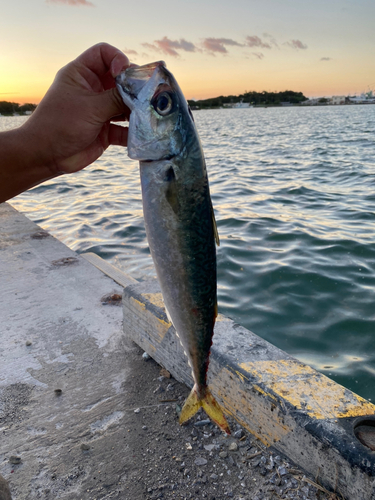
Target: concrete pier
pixel 64 369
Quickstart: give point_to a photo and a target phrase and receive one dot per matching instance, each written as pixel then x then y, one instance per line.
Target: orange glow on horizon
pixel 209 82
pixel 195 90
pixel 19 99
pixel 19 89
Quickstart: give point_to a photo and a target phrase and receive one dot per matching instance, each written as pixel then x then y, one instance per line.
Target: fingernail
pixel 119 63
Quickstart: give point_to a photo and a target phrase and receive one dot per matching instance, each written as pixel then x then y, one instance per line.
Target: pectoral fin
pixel 216 234
pixel 171 192
pixel 168 315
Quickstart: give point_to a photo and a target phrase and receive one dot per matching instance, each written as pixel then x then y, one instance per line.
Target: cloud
pixel 215 46
pixel 296 44
pixel 326 58
pixel 170 47
pixel 255 41
pixel 74 3
pixel 130 52
pixel 218 44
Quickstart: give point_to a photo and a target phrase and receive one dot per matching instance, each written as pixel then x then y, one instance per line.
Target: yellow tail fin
pixel 210 406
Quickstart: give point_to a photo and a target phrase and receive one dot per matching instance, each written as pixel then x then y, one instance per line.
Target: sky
pixel 213 47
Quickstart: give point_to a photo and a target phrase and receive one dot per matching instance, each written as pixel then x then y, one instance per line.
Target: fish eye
pixel 163 103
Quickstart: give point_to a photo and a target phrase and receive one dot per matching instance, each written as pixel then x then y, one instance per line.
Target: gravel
pixel 150 456
pixel 197 461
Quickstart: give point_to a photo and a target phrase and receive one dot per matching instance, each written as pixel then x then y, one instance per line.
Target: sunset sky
pixel 213 47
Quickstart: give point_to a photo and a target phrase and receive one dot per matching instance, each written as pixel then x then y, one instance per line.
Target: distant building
pixel 337 99
pixel 311 102
pixel 365 98
pixel 242 104
pixel 239 104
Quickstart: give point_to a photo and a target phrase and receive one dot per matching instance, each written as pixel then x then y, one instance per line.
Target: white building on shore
pixel 337 99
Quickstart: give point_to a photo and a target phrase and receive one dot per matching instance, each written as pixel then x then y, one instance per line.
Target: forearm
pixel 22 163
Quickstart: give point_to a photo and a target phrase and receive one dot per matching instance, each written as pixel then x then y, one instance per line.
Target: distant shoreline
pixel 281 106
pixel 197 108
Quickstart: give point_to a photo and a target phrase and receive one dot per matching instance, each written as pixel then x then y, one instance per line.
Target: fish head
pixel 160 120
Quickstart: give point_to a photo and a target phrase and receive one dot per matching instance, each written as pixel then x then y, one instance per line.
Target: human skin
pixel 71 127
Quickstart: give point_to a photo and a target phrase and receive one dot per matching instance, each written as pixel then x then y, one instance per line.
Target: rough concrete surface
pixel 83 415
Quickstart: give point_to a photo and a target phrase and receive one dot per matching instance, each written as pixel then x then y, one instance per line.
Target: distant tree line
pixel 256 98
pixel 9 108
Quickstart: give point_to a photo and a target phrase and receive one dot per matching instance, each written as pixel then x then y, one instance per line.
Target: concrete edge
pixel 113 272
pixel 285 403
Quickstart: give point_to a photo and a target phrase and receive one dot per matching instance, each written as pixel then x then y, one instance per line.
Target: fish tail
pixel 210 406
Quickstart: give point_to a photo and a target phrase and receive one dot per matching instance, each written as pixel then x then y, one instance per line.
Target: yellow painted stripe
pixel 161 326
pixel 308 390
pixel 139 305
pixel 155 298
pixel 221 317
pixel 248 408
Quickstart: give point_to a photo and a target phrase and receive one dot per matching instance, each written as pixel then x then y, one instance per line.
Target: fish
pixel 178 215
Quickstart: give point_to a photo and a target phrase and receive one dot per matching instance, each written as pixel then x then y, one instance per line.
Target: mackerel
pixel 179 218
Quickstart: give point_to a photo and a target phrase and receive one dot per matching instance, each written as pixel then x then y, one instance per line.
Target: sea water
pixel 294 196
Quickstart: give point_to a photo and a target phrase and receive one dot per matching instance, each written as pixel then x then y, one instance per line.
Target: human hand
pixel 71 126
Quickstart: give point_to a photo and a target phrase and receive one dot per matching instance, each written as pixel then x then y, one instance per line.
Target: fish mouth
pixel 133 80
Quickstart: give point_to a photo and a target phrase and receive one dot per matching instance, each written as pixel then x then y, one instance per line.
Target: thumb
pixel 111 104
